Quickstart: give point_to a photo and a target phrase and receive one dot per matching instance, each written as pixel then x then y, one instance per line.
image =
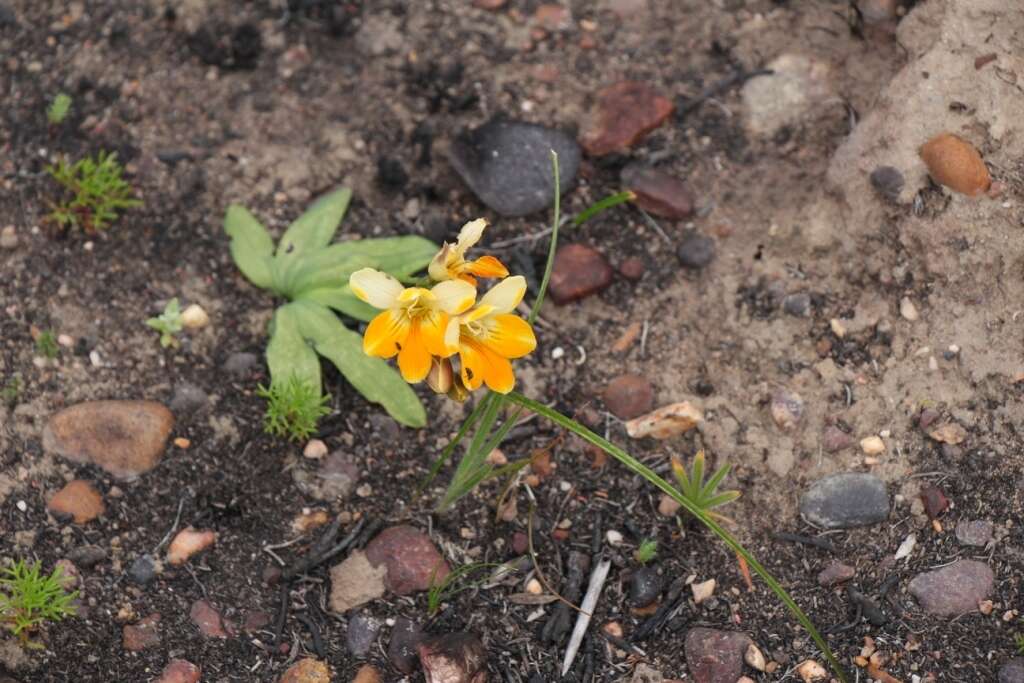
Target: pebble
pixel 613 537
pixel 507 164
pixel 194 317
pixel 695 251
pixel 647 674
pixel 188 542
pixel 797 304
pixel 256 621
pixel 356 581
pixel 240 363
pixel 954 589
pixel 666 422
pixel 489 4
pixel 87 556
pixel 956 163
pixel 834 439
pixel 143 570
pixel 787 408
pixel 412 562
pixel 453 658
pixel 335 480
pixel 632 268
pixel 797 85
pixel 551 17
pixel 405 637
pixel 878 11
pixel 908 310
pixel 78 500
pixel 1012 671
pixel 668 506
pixel 629 396
pixel 645 585
pixel 715 656
pixel 145 633
pixel 367 673
pixel 703 590
pixel 188 398
pixel 835 573
pixel 948 432
pixel 361 634
pixel 811 672
pixel 624 113
pixel 180 671
pixel 208 619
pixel 8 238
pixel 977 533
pixel 872 445
pixel 935 501
pixel 579 271
pixel 845 500
pixel 888 182
pixel 307 671
pixel 658 192
pixel 755 658
pixel 315 449
pixel 307 520
pixel 125 438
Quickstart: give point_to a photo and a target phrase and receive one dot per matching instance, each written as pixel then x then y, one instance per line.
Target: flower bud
pixel 440 377
pixel 458 391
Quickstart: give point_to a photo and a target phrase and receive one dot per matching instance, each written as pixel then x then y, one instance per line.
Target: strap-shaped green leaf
pixel 288 353
pixel 328 267
pixel 342 300
pixel 377 381
pixel 251 245
pixel 316 227
pixel 399 256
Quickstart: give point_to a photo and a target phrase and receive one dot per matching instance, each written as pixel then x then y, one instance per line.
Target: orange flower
pixel 451 264
pixel 414 319
pixel 489 335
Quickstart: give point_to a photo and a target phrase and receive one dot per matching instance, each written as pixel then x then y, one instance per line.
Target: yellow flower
pixel 489 335
pixel 451 264
pixel 414 320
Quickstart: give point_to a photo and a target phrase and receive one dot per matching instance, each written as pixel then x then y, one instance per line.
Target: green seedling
pixel 1019 640
pixel 168 323
pixel 46 345
pixel 445 589
pixel 58 109
pixel 10 391
pixel 647 551
pixel 312 274
pixel 293 408
pixel 94 193
pixel 28 599
pixel 704 496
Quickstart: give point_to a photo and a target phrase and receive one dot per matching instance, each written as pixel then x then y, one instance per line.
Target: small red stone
pixel 578 272
pixel 208 619
pixel 412 561
pixel 520 543
pixel 143 634
pixel 180 671
pixel 659 193
pixel 629 396
pixel 632 268
pixel 625 113
pixel 935 501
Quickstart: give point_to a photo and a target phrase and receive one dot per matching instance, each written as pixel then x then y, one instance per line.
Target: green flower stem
pixel 636 466
pixel 554 241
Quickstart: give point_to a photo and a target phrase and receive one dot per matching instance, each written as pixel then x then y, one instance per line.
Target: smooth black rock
pixel 143 570
pixel 888 181
pixel 507 164
pixel 846 500
pixel 695 251
pixel 645 586
pixel 797 304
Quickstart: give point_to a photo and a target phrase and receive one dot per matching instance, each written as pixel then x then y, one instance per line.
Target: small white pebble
pixel 315 449
pixel 65 341
pixel 87 246
pixel 885 433
pixel 22 505
pixel 94 358
pixel 194 317
pixel 557 352
pixel 907 309
pixel 613 537
pixel 838 328
pixel 364 491
pixel 872 445
pixel 534 587
pixel 564 486
pixel 953 348
pixel 933 363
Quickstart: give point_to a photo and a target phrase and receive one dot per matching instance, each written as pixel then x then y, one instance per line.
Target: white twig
pixel 597 579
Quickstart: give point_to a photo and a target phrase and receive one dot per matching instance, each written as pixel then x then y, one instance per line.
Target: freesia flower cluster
pixel 428 328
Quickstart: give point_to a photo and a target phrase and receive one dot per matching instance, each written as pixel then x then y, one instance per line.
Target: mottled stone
pixel 658 192
pixel 579 271
pixel 307 671
pixel 1012 671
pixel 413 563
pixel 834 439
pixel 361 634
pixel 208 619
pixel 954 589
pixel 715 656
pixel 180 671
pixel 624 113
pixel 836 572
pixel 629 396
pixel 145 633
pixel 976 533
pixel 356 581
pixel 405 638
pixel 453 658
pixel 846 500
pixel 78 500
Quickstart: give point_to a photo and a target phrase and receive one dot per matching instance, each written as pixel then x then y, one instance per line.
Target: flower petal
pixel 499 377
pixel 386 334
pixel 481 365
pixel 433 330
pixel 414 359
pixel 438 268
pixel 505 295
pixel 509 336
pixel 486 266
pixel 451 333
pixel 454 296
pixel 378 289
pixel 469 235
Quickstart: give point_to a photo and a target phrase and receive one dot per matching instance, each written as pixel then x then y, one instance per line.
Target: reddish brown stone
pixel 629 396
pixel 658 192
pixel 145 633
pixel 552 17
pixel 632 268
pixel 578 272
pixel 520 543
pixel 489 4
pixel 836 572
pixel 207 619
pixel 454 658
pixel 715 656
pixel 935 501
pixel 307 671
pixel 254 621
pixel 625 113
pixel 78 500
pixel 411 560
pixel 180 671
pixel 835 439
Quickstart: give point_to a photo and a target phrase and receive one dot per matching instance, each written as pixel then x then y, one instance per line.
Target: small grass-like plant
pixel 58 109
pixel 46 345
pixel 1019 640
pixel 94 193
pixel 10 392
pixel 168 323
pixel 647 551
pixel 293 408
pixel 704 496
pixel 312 274
pixel 29 599
pixel 445 589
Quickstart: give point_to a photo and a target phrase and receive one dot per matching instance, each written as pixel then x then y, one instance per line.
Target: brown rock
pixel 180 671
pixel 787 408
pixel 954 589
pixel 811 672
pixel 632 268
pixel 949 432
pixel 666 422
pixel 188 542
pixel 207 619
pixel 255 620
pixel 578 272
pixel 405 638
pixel 629 396
pixel 78 500
pixel 143 634
pixel 935 501
pixel 307 671
pixel 835 573
pixel 625 113
pixel 520 543
pixel 658 192
pixel 356 581
pixel 489 4
pixel 668 506
pixel 125 438
pixel 955 163
pixel 715 656
pixel 412 562
pixel 553 18
pixel 453 658
pixel 367 674
pixel 834 439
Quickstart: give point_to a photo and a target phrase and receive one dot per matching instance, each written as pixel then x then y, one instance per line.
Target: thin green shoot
pixel 58 109
pixel 1019 642
pixel 293 408
pixel 11 391
pixel 602 205
pixel 555 218
pixel 703 495
pixel 445 589
pixel 647 551
pixel 28 599
pixel 46 345
pixel 95 193
pixel 168 323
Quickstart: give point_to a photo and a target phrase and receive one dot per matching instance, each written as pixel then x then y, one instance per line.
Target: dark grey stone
pixel 797 304
pixel 888 181
pixel 844 501
pixel 87 556
pixel 143 570
pixel 695 251
pixel 954 589
pixel 507 164
pixel 239 364
pixel 645 586
pixel 405 636
pixel 1012 671
pixel 361 634
pixel 974 532
pixel 188 398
